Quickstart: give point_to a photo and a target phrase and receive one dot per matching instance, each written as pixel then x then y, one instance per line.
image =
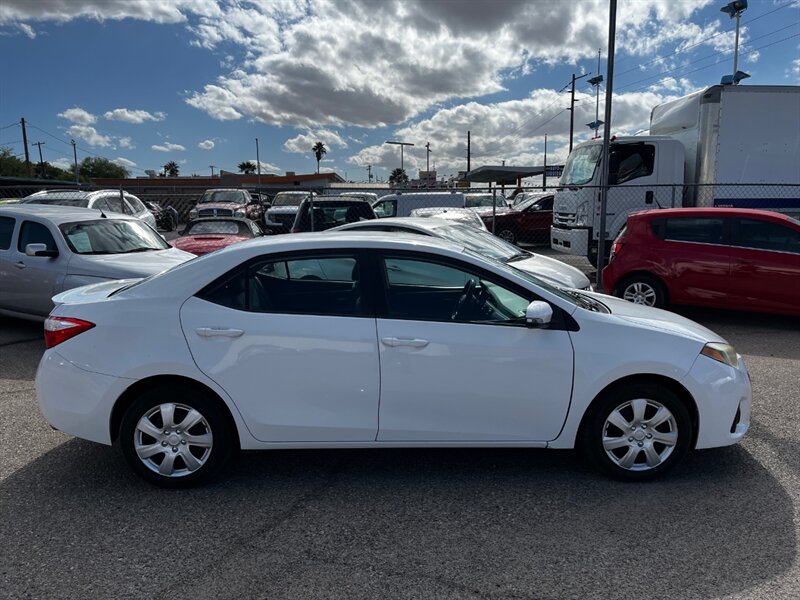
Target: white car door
pixel 292 343
pixel 458 363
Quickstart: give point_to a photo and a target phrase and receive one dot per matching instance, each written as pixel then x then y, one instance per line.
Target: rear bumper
pixel 570 241
pixel 76 401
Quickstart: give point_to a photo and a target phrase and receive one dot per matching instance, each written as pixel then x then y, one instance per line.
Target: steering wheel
pixel 466 293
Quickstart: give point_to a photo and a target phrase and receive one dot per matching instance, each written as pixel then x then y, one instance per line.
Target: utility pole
pixel 41 160
pixel 469 150
pixel 212 167
pixel 428 157
pixel 369 173
pixel 258 163
pixel 544 173
pixel 601 235
pixel 25 145
pixel 75 156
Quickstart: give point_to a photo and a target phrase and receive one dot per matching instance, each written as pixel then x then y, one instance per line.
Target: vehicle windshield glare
pixel 111 236
pixel 581 165
pixel 58 201
pixel 482 242
pixel 288 199
pixel 477 200
pixel 235 196
pixel 220 227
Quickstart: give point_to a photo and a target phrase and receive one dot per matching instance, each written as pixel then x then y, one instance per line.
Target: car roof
pixel 59 214
pixel 710 212
pixel 220 218
pixel 420 223
pixel 70 193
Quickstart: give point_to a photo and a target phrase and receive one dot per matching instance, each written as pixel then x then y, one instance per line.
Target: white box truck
pixel 705 149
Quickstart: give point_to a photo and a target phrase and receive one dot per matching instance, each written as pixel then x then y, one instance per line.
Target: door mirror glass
pixel 538 314
pixel 40 250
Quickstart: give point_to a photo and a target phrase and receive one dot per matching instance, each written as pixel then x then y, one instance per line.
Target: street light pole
pixel 735 10
pixel 258 165
pixel 402 147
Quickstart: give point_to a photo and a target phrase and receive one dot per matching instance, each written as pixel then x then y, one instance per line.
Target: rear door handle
pixel 218 332
pixel 19 265
pixel 407 342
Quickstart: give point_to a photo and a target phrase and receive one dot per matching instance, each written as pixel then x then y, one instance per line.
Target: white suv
pixel 115 201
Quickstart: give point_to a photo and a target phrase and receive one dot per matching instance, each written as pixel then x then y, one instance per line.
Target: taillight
pixel 616 247
pixel 60 329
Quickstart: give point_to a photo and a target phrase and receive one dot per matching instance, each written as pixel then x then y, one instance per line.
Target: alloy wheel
pixel 640 292
pixel 640 434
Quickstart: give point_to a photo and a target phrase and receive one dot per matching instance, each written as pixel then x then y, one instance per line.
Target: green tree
pixel 10 165
pixel 319 151
pixel 398 177
pixel 171 169
pixel 247 167
pixel 94 167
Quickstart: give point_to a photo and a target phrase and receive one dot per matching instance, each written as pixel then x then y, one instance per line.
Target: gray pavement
pixel 75 523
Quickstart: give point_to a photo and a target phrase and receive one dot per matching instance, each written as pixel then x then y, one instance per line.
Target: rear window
pixel 699 230
pixel 288 199
pixel 6 229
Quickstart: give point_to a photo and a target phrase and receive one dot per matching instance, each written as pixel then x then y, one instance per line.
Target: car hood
pixel 225 205
pixel 205 243
pixel 122 266
pixel 552 271
pixel 656 319
pixel 277 210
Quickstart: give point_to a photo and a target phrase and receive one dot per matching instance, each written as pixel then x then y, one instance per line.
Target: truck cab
pixel 644 173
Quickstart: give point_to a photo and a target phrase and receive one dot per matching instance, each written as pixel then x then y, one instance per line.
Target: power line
pixel 14 124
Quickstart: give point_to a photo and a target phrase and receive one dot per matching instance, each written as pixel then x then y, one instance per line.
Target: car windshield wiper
pixel 139 250
pixel 587 302
pixel 518 256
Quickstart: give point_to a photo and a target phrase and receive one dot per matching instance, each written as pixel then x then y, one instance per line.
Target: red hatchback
pixel 722 257
pixel 202 236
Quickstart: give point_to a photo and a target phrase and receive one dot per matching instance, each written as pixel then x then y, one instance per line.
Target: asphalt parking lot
pixel 76 523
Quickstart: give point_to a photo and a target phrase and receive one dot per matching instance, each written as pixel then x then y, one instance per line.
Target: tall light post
pixel 595 83
pixel 258 165
pixel 212 167
pixel 734 10
pixel 402 147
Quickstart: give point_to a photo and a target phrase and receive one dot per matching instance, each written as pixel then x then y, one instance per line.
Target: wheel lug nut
pixel 175 448
pixel 178 431
pixel 163 443
pixel 630 439
pixel 649 435
pixel 184 441
pixel 643 427
pixel 640 444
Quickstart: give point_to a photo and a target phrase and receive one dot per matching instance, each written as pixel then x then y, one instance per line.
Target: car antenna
pixel 102 214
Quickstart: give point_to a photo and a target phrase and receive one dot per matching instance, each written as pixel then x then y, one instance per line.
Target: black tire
pixel 508 235
pixel 211 459
pixel 597 427
pixel 640 288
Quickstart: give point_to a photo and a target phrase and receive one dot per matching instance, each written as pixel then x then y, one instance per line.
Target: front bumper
pixel 76 401
pixel 724 399
pixel 570 241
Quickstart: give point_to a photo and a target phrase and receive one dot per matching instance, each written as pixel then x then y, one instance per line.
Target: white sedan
pixel 352 340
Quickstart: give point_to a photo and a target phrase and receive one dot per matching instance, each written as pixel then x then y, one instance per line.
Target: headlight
pixel 724 353
pixel 581 213
pixel 239 212
pixel 193 213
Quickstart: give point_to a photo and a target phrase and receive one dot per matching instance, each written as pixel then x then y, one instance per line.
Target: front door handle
pixel 218 332
pixel 407 342
pixel 19 265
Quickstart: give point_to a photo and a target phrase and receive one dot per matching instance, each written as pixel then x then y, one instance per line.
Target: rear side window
pixel 136 204
pixel 35 233
pixel 387 208
pixel 700 230
pixel 6 230
pixel 765 235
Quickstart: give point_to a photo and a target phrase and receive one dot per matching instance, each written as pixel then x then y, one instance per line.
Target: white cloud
pixel 206 145
pixel 90 135
pixel 266 168
pixel 78 115
pixel 174 11
pixel 794 69
pixel 27 30
pixel 62 163
pixel 126 142
pixel 168 147
pixel 133 116
pixel 124 162
pixel 303 142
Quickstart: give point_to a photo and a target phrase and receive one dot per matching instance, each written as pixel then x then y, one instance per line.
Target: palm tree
pixel 247 167
pixel 171 169
pixel 398 177
pixel 319 151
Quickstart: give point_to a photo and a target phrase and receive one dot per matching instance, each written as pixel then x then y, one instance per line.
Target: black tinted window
pixel 309 285
pixel 35 233
pixel 765 235
pixel 6 229
pixel 700 230
pixel 634 161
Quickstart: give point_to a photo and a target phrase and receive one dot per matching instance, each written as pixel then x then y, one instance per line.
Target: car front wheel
pixel 637 432
pixel 175 437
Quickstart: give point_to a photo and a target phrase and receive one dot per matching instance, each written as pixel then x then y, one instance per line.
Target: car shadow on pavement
pixel 393 523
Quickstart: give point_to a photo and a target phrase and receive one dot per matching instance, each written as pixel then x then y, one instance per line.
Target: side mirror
pixel 40 250
pixel 538 314
pixel 613 168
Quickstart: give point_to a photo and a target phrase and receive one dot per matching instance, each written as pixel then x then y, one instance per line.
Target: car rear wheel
pixel 175 437
pixel 508 235
pixel 637 432
pixel 642 289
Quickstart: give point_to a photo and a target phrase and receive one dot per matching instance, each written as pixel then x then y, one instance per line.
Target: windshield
pixel 476 200
pixel 288 199
pixel 467 217
pixel 482 242
pixel 58 201
pixel 220 227
pixel 581 165
pixel 234 196
pixel 109 236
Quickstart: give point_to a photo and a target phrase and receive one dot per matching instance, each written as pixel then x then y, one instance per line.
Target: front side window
pixel 327 285
pixel 765 235
pixel 633 161
pixel 426 290
pixel 700 230
pixel 35 233
pixel 6 230
pixel 385 208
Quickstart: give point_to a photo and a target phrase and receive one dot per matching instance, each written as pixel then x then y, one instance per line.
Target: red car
pixel 202 236
pixel 721 257
pixel 527 222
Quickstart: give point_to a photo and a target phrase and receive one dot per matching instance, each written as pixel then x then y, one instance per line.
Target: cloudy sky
pixel 144 82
